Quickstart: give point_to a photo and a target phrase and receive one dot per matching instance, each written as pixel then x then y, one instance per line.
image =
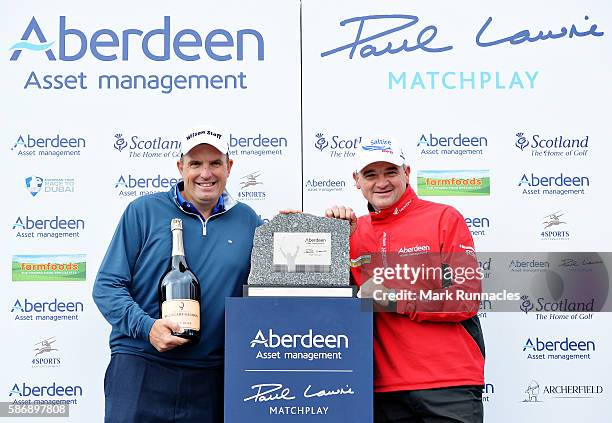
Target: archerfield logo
pixel 173 44
pixel 308 340
pixel 558 146
pixel 536 393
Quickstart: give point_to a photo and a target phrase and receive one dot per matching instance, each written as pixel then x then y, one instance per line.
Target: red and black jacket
pixel 421 344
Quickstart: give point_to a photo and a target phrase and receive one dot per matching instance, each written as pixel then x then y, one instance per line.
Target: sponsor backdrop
pixel 499 110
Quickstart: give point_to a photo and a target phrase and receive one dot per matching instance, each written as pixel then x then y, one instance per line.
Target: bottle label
pixel 184 312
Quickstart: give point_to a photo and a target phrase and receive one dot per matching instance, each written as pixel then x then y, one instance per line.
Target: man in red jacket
pixel 428 344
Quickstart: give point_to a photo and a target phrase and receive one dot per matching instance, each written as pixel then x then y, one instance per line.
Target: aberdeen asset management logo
pixel 74 43
pixel 307 340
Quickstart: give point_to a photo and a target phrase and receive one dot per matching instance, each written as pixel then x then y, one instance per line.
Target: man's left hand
pixel 377 291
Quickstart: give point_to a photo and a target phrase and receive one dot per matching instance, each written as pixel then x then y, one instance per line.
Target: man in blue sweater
pixel 154 376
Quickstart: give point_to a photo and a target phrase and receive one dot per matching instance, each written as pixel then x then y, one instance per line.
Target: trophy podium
pixel 298 345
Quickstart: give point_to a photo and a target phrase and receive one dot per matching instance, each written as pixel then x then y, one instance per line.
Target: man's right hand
pixel 344 213
pixel 161 335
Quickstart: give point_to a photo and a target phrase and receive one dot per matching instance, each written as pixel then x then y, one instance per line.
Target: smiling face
pixel 205 171
pixel 382 183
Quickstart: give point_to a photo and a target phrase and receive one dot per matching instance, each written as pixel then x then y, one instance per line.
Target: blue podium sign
pixel 298 360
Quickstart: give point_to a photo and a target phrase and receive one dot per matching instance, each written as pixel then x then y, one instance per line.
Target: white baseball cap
pixel 379 149
pixel 205 135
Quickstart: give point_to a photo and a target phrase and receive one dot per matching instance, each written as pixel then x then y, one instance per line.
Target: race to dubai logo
pixel 34 184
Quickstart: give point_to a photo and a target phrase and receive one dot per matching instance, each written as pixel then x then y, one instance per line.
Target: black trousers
pixel 460 404
pixel 138 390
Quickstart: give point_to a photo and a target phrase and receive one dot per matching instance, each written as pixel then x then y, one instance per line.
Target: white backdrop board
pixel 96 100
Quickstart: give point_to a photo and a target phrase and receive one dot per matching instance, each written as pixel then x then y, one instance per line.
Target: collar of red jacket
pixel 397 209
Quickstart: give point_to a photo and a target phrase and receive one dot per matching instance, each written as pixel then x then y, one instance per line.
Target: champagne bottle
pixel 179 289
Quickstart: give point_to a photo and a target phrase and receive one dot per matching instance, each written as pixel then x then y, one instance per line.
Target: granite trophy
pixel 297 251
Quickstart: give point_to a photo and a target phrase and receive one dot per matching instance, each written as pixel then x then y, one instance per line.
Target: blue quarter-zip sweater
pixel 218 251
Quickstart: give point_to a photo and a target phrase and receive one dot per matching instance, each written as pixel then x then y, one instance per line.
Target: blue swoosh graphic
pixel 30 46
pixel 374 147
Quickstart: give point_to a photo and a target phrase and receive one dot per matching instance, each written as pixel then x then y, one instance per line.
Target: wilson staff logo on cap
pixel 205 135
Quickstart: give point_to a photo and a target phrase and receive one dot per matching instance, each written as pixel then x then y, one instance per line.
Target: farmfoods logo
pixel 26 309
pixel 44 228
pixel 140 147
pixel 28 145
pixel 454 145
pixel 558 349
pixel 250 187
pixel 453 182
pixel 133 186
pixel 49 268
pixel 307 340
pixel 532 184
pixel 37 184
pixel 558 146
pixel 156 44
pixel 336 146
